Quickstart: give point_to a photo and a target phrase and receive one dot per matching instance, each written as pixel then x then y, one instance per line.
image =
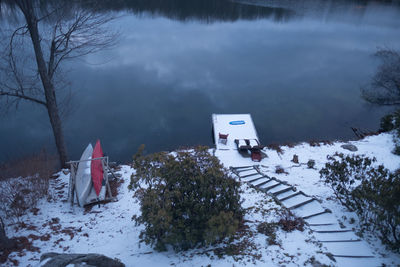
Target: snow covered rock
pixel 62 260
pixel 349 147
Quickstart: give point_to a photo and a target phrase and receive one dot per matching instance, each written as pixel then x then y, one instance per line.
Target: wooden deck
pixel 237 126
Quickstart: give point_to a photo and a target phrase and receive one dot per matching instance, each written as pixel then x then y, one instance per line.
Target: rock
pixel 295 158
pixel 349 147
pixel 78 260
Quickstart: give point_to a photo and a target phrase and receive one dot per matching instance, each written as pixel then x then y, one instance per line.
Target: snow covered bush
pixel 371 191
pixel 187 199
pixel 392 122
pixel 344 174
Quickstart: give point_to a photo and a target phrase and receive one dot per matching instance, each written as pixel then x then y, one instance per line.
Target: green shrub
pixel 396 149
pixel 344 173
pixel 311 164
pixel 187 199
pixel 390 122
pixel 371 191
pixel 386 124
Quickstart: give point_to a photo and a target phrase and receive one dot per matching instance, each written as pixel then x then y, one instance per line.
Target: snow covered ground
pixel 109 230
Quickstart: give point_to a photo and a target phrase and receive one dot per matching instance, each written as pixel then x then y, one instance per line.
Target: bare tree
pixel 384 88
pixel 57 31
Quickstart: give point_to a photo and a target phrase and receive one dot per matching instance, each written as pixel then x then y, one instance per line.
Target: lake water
pixel 295 66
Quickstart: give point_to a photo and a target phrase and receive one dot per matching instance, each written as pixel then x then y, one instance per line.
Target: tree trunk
pixel 5 242
pixel 51 102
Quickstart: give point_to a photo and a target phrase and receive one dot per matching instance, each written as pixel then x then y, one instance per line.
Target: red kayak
pixel 97 168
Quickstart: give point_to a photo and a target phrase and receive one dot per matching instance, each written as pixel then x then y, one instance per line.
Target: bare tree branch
pixel 84 35
pixel 68 33
pixel 384 88
pixel 16 94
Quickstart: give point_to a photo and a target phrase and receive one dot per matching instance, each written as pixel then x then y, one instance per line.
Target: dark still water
pixel 296 66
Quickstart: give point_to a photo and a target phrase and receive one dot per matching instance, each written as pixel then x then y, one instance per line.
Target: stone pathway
pixel 345 246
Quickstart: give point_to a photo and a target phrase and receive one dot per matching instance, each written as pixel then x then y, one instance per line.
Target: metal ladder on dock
pixel 344 245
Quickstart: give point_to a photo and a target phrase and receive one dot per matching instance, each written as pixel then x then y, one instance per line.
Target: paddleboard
pixel 236 122
pixel 97 168
pixel 83 181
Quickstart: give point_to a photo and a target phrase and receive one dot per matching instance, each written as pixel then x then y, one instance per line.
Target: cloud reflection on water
pixel 299 79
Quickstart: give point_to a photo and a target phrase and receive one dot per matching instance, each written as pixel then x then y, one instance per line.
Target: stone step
pixel 326 211
pixel 321 224
pixel 280 188
pixel 262 181
pixel 335 236
pixel 266 188
pixel 243 168
pixel 306 209
pixel 340 241
pixel 348 260
pixel 334 231
pixel 294 199
pixel 250 178
pixel 325 227
pixel 286 194
pixel 256 179
pixel 290 196
pixel 250 174
pixel 302 204
pixel 268 183
pixel 246 171
pixel 350 249
pixel 354 256
pixel 283 190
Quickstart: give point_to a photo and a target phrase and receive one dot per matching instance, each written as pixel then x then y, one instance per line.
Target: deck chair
pixel 255 144
pixel 242 144
pixel 256 155
pixel 223 138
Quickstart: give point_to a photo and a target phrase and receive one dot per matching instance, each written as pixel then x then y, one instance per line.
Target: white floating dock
pixel 237 126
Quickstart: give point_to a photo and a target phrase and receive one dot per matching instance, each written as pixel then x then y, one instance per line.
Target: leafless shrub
pixel 291 144
pixel 275 147
pixel 20 194
pixel 289 222
pixel 314 143
pixel 279 169
pixel 327 142
pixel 29 182
pixel 269 229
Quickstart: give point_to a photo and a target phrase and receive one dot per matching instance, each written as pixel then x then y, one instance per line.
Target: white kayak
pixel 83 182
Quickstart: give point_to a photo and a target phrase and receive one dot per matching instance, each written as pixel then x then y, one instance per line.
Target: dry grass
pixel 40 163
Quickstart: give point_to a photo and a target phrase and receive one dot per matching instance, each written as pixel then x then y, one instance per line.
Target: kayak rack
pixel 72 180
